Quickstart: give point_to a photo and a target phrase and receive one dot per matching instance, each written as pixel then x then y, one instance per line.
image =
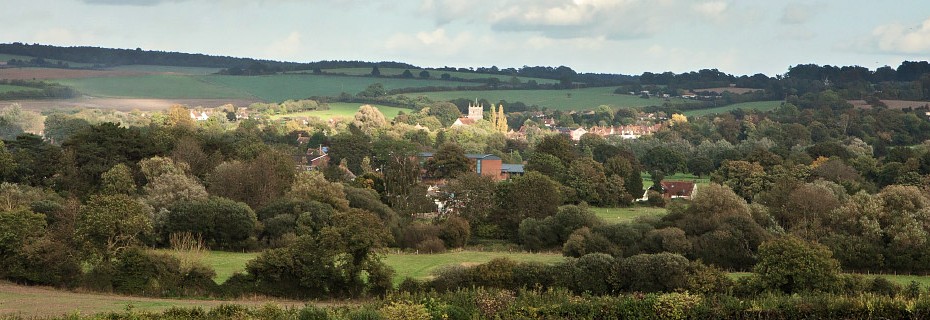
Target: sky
pixel 604 36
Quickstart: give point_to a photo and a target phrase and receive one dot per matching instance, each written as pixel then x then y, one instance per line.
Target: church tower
pixel 475 112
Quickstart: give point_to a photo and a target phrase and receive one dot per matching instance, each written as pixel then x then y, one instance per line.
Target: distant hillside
pixel 107 57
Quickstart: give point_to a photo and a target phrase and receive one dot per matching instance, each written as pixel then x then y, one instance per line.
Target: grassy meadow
pixel 757 105
pixel 435 74
pixel 572 99
pixel 342 110
pixel 166 69
pixel 680 176
pixel 419 266
pixel 298 86
pixel 156 86
pixel 9 88
pixel 623 215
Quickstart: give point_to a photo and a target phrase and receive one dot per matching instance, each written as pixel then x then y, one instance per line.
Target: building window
pixel 479 166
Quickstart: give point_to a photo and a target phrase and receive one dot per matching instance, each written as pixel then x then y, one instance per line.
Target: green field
pixel 573 99
pixel 623 215
pixel 434 74
pixel 421 266
pixel 153 87
pixel 8 88
pixel 272 88
pixel 342 110
pixel 406 265
pixel 680 176
pixel 168 69
pixel 757 105
pixel 298 86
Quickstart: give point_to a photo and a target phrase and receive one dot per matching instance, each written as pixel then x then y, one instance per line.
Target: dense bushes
pixel 560 304
pixel 597 274
pixel 223 223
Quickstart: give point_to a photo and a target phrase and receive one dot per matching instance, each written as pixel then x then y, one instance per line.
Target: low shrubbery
pixel 562 304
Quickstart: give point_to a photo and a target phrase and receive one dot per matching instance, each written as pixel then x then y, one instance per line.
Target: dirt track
pixel 124 104
pixel 30 302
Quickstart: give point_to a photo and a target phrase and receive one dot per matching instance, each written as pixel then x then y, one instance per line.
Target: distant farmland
pixel 757 105
pixel 153 87
pixel 8 88
pixel 297 86
pixel 272 88
pixel 573 99
pixel 342 110
pixel 436 74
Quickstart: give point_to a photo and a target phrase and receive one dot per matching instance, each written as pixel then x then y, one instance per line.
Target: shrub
pixel 455 232
pixel 432 245
pixel 661 272
pixel 883 286
pixel 411 285
pixel 364 314
pixel 312 313
pixel 139 272
pixel 790 264
pixel 405 311
pixel 655 199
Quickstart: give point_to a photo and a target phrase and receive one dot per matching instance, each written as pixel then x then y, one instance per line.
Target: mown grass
pixel 572 99
pixel 435 74
pixel 282 87
pixel 623 215
pixel 418 266
pixel 342 110
pixel 9 88
pixel 757 105
pixel 168 69
pixel 422 266
pixel 153 87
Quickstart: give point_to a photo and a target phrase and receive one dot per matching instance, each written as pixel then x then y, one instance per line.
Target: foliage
pixel 111 223
pixel 789 264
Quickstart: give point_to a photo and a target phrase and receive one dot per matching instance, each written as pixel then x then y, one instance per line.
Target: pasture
pixel 153 86
pixel 435 74
pixel 624 215
pixel 9 88
pixel 277 88
pixel 342 110
pixel 422 266
pixel 166 69
pixel 418 266
pixel 756 105
pixel 572 99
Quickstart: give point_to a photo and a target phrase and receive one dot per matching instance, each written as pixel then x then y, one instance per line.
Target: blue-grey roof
pixel 512 168
pixel 482 156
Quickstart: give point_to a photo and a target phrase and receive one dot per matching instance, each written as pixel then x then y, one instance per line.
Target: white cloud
pixel 63 36
pixel 797 13
pixel 436 42
pixel 898 38
pixel 286 48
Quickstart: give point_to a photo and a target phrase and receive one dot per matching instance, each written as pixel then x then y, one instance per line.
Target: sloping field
pixel 31 302
pixel 166 69
pixel 154 87
pixel 435 74
pixel 54 73
pixel 573 99
pixel 124 104
pixel 342 110
pixel 9 88
pixel 298 86
pixel 727 89
pixel 757 105
pixel 892 104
